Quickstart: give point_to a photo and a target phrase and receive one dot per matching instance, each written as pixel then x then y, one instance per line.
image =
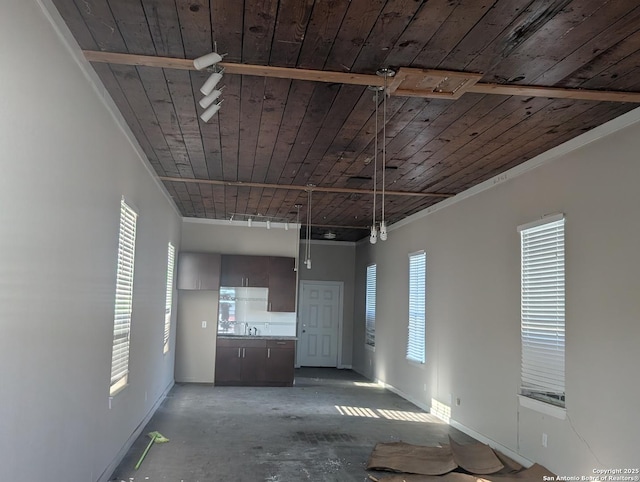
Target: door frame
pixel 340 285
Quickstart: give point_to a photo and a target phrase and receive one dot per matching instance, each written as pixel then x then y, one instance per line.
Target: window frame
pixel 543 312
pixel 371 293
pixel 417 319
pixel 123 306
pixel 168 306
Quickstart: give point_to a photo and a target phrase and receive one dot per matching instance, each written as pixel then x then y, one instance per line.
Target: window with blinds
pixel 543 310
pixel 417 299
pixel 171 260
pixel 370 309
pixel 124 298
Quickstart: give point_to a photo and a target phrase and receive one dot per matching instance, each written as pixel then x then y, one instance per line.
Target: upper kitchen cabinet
pixel 282 284
pixel 244 271
pixel 199 271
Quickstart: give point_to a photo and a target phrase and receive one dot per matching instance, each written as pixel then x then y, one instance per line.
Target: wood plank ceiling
pixel 292 133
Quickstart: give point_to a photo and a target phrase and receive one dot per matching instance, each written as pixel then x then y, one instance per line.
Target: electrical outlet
pixel 457 402
pixel 544 440
pixel 425 387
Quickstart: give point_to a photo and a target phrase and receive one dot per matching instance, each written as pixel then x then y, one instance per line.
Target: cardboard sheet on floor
pixel 535 473
pixel 510 465
pixel 450 477
pixel 476 458
pixel 412 459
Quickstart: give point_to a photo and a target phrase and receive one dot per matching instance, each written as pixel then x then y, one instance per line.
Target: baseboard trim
pixel 345 367
pixel 491 443
pixel 108 472
pixel 417 403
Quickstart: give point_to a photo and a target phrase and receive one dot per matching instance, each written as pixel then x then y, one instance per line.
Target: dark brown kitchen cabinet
pixel 254 362
pixel 280 361
pixel 282 284
pixel 198 271
pixel 228 365
pixel 248 271
pixel 240 362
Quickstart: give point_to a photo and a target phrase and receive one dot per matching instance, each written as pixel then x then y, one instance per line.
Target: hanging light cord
pixel 309 225
pixel 384 141
pixel 375 163
pixel 297 247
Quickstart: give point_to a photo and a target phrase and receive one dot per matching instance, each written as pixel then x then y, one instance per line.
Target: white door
pixel 320 320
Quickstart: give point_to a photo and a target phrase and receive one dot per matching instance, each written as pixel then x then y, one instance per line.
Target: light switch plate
pixel 204 324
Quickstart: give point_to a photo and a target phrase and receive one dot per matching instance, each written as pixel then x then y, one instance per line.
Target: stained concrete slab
pixel 321 429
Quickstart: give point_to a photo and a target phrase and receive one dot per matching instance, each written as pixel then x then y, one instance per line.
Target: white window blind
pixel 124 298
pixel 417 299
pixel 543 311
pixel 171 258
pixel 370 309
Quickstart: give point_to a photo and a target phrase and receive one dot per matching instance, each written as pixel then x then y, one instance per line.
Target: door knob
pixel 304 331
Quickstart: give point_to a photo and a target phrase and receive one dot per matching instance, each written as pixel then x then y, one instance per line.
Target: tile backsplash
pixel 241 309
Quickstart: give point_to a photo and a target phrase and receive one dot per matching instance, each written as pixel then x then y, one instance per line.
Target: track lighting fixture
pixel 209 113
pixel 208 89
pixel 211 83
pixel 211 98
pixel 207 60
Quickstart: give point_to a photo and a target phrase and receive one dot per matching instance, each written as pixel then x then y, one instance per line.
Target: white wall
pixel 195 357
pixel 225 237
pixel 66 164
pixel 473 312
pixel 334 261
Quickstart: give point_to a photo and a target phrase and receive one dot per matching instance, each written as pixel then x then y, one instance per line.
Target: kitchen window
pixel 124 298
pixel 417 298
pixel 171 261
pixel 543 310
pixel 370 308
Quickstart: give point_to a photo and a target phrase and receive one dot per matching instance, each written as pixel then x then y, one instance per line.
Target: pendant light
pixel 297 249
pixel 373 237
pixel 308 251
pixel 386 73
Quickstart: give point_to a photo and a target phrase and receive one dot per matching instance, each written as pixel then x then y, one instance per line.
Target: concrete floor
pixel 292 434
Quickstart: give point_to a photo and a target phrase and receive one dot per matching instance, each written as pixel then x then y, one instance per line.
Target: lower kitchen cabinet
pixel 254 362
pixel 280 361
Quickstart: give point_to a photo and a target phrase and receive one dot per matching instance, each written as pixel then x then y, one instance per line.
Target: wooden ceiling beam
pixel 361 79
pixel 233 68
pixel 555 92
pixel 293 187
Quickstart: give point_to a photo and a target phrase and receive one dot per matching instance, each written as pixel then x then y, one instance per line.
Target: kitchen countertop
pixel 257 337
